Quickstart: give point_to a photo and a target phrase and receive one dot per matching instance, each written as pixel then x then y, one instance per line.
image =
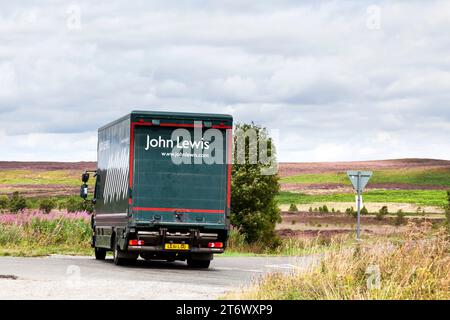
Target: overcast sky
pixel 340 80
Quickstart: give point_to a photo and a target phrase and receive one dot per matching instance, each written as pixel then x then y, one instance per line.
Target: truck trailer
pixel 162 187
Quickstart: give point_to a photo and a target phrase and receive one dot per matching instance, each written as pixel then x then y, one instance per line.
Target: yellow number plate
pixel 176 246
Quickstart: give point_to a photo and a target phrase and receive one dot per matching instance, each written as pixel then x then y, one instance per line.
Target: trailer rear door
pixel 165 191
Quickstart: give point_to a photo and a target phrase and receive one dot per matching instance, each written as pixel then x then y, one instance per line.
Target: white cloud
pixel 335 89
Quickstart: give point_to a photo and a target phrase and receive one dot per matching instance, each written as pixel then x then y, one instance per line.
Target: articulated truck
pixel 162 187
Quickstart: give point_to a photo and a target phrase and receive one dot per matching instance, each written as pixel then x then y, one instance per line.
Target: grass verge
pixel 417 267
pixel 36 234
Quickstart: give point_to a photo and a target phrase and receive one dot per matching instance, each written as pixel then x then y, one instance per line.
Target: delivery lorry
pixel 162 187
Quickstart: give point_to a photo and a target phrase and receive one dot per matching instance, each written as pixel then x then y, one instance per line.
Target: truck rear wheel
pixel 203 264
pixel 118 260
pixel 122 258
pixel 100 253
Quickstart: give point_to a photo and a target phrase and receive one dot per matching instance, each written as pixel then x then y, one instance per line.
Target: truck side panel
pixel 112 191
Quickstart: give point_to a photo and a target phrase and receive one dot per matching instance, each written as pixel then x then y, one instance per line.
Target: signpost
pixel 359 181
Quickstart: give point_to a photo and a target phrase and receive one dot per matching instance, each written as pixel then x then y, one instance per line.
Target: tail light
pixel 215 245
pixel 135 242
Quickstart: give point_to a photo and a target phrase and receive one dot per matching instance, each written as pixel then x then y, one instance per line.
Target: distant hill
pixel 47 166
pixel 296 168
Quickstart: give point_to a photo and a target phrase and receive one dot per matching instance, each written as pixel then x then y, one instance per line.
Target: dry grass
pixel 288 247
pixel 416 267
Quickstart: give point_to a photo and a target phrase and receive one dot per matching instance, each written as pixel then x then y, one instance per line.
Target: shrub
pixel 4 202
pixel 364 211
pixel 72 205
pixel 382 212
pixel 351 212
pixel 310 210
pixel 47 205
pixel 17 202
pixel 293 208
pixel 325 209
pixel 399 218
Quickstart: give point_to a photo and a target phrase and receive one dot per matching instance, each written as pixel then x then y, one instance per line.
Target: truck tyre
pixel 122 258
pixel 100 253
pixel 203 264
pixel 118 260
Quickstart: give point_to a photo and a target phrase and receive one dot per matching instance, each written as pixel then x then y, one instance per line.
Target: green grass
pixel 61 177
pixel 437 177
pixel 33 202
pixel 419 197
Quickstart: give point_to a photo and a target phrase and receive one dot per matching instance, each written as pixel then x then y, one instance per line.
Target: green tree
pixel 17 202
pixel 254 186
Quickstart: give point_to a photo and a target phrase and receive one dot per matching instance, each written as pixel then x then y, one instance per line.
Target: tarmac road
pixel 70 277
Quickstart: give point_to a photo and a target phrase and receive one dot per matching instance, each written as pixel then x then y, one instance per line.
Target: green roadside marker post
pixel 359 181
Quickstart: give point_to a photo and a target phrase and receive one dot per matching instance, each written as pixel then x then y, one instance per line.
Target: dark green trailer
pixel 162 187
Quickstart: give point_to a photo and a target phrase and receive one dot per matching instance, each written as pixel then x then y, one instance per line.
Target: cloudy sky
pixel 339 80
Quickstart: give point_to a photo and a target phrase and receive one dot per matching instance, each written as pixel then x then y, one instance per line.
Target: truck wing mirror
pixel 85 177
pixel 84 191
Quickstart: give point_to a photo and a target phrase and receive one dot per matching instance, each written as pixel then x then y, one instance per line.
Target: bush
pixel 351 212
pixel 310 210
pixel 76 205
pixel 399 218
pixel 382 212
pixel 17 202
pixel 293 208
pixel 364 211
pixel 47 205
pixel 254 211
pixel 4 202
pixel 324 209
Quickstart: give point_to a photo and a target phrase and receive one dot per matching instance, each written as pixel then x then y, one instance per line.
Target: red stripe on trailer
pixel 181 125
pixel 192 125
pixel 180 210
